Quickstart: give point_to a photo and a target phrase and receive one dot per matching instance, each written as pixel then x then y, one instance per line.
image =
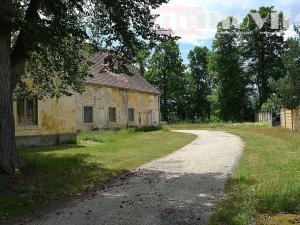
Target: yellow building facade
pixel 45 122
pixel 110 101
pixel 103 107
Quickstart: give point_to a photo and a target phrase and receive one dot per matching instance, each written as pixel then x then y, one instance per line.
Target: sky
pixel 195 20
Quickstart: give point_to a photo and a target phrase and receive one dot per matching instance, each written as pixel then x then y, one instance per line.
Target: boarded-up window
pixel 112 114
pixel 27 112
pixel 88 114
pixel 131 114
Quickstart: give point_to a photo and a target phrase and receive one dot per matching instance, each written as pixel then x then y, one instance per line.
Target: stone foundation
pixel 45 140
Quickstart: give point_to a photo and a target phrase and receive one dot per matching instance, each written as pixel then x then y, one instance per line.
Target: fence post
pixel 285 118
pixel 292 116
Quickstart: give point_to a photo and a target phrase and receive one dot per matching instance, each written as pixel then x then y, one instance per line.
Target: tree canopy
pixel 166 72
pixel 46 38
pixel 262 46
pixel 200 77
pixel 230 78
pixel 288 87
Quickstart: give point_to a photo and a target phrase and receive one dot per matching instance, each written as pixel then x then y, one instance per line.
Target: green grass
pixel 268 177
pixel 52 173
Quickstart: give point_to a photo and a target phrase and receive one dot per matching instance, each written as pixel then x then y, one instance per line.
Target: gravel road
pixel 180 189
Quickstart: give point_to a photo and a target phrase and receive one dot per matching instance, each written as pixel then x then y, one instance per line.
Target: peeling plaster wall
pixel 56 119
pixel 59 119
pixel 101 98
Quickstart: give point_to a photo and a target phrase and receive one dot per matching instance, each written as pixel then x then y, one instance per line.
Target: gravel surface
pixel 180 189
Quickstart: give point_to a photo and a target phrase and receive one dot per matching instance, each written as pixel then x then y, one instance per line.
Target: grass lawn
pixel 266 186
pixel 55 172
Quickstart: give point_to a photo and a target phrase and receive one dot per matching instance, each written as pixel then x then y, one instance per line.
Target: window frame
pixel 114 119
pixel 83 114
pixel 131 117
pixel 35 112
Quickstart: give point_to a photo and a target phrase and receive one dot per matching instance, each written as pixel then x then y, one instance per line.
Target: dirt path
pixel 179 189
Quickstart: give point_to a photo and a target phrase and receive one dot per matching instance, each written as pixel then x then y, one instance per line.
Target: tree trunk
pixel 10 160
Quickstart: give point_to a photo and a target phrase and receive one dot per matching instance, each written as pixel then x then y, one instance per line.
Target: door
pixel 149 119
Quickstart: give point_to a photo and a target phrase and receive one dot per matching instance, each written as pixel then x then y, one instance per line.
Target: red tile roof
pixel 101 75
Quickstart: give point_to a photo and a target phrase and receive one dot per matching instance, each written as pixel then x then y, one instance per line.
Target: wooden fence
pixel 290 119
pixel 264 117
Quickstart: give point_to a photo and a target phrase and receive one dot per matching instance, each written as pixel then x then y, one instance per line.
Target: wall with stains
pixel 146 107
pixel 55 116
pixel 290 119
pixel 60 119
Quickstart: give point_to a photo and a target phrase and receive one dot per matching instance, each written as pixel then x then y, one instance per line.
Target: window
pixel 88 114
pixel 27 112
pixel 112 114
pixel 131 114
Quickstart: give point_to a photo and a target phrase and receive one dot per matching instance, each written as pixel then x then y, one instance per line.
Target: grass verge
pixel 60 171
pixel 267 180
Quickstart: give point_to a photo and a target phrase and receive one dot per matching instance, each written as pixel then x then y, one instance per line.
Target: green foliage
pixel 222 125
pixel 214 102
pixel 201 82
pixel 273 104
pixel 262 50
pixel 166 72
pixel 225 64
pixel 54 35
pixel 142 58
pixel 288 87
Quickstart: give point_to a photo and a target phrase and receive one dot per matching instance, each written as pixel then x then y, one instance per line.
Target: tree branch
pixel 20 49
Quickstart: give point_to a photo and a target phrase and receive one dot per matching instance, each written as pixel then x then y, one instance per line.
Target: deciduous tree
pixel 263 46
pixel 288 87
pixel 198 67
pixel 167 72
pixel 47 36
pixel 231 81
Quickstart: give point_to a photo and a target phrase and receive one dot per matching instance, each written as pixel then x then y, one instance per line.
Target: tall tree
pixel 142 58
pixel 231 81
pixel 37 32
pixel 166 72
pixel 262 41
pixel 198 66
pixel 288 87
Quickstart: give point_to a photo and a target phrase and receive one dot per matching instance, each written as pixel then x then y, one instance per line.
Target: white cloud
pixel 195 20
pixel 290 32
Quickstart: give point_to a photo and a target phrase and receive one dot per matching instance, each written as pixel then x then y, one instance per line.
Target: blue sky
pixel 195 20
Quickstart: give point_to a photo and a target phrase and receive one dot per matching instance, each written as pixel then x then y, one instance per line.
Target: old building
pixel 116 100
pixel 110 101
pixel 45 122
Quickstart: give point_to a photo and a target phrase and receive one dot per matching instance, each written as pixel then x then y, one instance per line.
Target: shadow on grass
pixel 51 148
pixel 147 129
pixel 47 178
